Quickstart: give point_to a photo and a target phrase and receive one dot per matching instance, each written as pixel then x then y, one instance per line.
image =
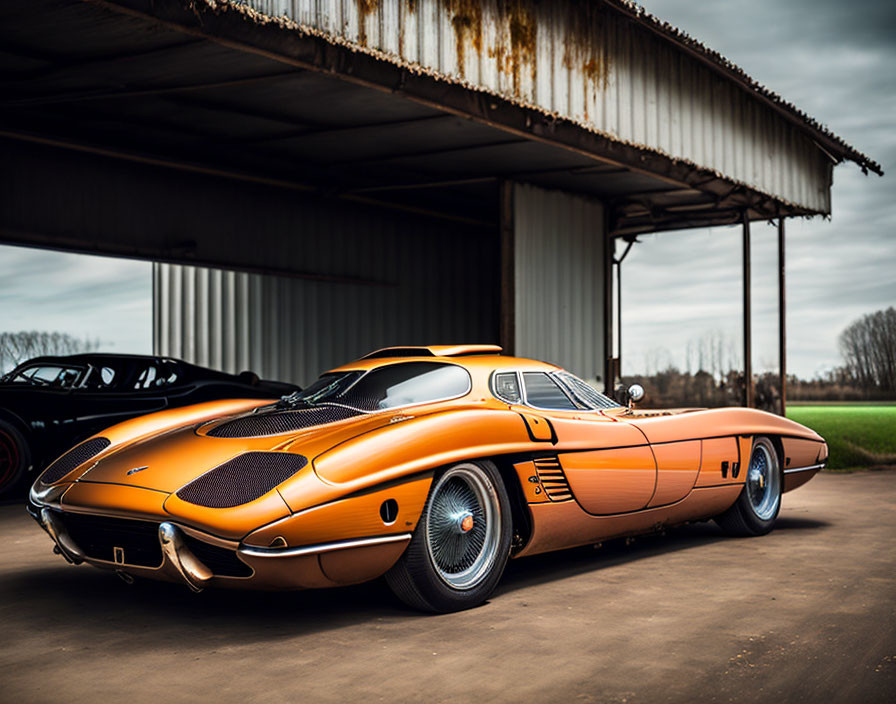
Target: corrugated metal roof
pixel 579 63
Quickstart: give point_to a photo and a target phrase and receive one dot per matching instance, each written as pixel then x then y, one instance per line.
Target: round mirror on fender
pixel 635 393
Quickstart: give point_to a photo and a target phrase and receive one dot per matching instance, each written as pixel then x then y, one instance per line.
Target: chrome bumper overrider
pixel 65 546
pixel 194 572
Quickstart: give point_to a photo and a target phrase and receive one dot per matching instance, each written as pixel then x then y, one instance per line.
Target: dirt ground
pixel 807 613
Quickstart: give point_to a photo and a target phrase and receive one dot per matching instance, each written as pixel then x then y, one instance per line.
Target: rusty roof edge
pixel 287 23
pixel 709 56
pixel 731 70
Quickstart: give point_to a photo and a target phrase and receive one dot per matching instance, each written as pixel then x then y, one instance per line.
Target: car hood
pixel 169 460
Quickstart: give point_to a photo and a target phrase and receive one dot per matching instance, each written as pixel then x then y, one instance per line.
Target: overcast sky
pixel 834 60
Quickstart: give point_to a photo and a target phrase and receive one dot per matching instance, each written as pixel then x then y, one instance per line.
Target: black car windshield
pixel 390 386
pixel 52 375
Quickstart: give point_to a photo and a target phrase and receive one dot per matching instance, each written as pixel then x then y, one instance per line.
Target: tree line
pixel 868 347
pixel 17 347
pixel 868 372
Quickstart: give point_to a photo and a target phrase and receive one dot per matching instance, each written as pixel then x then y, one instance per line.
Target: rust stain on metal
pixel 523 38
pixel 585 50
pixel 517 42
pixel 365 9
pixel 466 19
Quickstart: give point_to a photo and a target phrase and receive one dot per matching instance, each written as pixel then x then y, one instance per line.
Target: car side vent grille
pixel 263 424
pixel 552 478
pixel 242 479
pixel 75 457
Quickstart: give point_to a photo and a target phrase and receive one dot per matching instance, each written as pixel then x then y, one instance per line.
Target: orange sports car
pixel 429 465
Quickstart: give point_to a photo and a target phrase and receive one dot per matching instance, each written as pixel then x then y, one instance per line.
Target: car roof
pixel 477 362
pixel 90 357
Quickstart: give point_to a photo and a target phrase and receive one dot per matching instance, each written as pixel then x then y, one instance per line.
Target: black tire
pixel 757 507
pixel 15 457
pixel 466 519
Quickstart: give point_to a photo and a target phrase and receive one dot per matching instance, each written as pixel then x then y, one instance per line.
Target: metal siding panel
pixel 558 251
pixel 438 285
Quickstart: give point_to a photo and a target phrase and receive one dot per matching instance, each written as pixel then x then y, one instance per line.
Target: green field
pixel 857 435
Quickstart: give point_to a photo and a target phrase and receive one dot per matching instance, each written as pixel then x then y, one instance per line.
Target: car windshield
pixel 582 393
pixel 390 386
pixel 52 375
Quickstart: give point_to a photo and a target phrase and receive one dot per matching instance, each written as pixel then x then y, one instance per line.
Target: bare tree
pixel 16 347
pixel 868 346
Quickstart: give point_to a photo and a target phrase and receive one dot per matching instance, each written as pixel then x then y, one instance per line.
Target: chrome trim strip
pixel 804 469
pixel 323 547
pixel 193 572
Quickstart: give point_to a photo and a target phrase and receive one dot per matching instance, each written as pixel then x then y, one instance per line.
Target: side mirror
pixel 635 394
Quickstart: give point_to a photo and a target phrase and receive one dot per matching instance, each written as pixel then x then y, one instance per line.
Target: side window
pixel 543 392
pixel 146 378
pixel 167 373
pixel 506 387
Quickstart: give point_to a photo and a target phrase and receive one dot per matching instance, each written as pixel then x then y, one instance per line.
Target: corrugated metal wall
pixel 559 279
pixel 439 286
pixel 586 63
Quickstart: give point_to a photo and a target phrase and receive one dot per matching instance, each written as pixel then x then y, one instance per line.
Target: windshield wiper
pixel 292 400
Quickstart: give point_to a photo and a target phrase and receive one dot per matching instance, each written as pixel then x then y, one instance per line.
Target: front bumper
pixel 200 560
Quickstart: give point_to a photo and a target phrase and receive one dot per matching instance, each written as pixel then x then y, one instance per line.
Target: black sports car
pixel 48 404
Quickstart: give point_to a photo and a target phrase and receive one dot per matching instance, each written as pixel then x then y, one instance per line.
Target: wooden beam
pixel 782 319
pixel 747 311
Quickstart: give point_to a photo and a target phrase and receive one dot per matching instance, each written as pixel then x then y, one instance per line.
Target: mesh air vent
pixel 242 479
pixel 552 478
pixel 75 457
pixel 280 422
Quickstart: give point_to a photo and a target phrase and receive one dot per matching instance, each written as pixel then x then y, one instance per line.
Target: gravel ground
pixel 807 613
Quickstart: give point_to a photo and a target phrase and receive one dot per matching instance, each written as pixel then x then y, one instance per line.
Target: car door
pixel 608 464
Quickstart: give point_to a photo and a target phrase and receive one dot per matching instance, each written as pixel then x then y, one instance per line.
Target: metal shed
pixel 319 177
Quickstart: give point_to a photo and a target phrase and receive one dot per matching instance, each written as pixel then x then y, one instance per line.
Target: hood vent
pixel 242 479
pixel 552 478
pixel 280 422
pixel 75 457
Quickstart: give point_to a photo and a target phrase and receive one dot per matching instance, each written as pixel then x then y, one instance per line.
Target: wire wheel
pixel 763 481
pixel 463 526
pixel 756 508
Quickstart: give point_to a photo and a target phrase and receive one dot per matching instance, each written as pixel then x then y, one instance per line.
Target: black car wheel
pixel 14 457
pixel 461 544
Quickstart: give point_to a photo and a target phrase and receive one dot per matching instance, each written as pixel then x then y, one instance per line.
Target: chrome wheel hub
pixel 462 526
pixel 763 482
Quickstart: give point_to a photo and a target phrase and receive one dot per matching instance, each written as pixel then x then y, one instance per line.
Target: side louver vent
pixel 75 457
pixel 552 478
pixel 280 422
pixel 242 479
